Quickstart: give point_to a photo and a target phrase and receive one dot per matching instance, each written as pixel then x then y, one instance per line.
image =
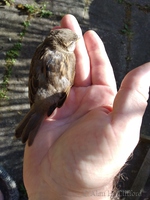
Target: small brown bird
pixel 51 76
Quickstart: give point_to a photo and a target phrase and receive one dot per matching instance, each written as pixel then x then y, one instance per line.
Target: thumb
pixel 129 106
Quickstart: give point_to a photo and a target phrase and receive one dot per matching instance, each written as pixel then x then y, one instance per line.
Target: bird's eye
pixel 71 43
pixel 71 46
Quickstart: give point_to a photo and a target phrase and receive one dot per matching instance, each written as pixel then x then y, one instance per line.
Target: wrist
pixel 95 194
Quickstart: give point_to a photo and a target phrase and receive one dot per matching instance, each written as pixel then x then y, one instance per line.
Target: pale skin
pixel 79 150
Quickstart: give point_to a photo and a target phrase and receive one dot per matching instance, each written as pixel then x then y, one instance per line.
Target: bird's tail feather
pixel 23 123
pixel 29 126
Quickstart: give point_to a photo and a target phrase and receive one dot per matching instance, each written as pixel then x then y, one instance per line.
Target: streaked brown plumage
pixel 51 76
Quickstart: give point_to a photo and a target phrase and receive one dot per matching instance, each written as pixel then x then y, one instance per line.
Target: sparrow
pixel 51 77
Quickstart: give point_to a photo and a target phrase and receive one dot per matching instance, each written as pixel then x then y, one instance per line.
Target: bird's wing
pixel 49 70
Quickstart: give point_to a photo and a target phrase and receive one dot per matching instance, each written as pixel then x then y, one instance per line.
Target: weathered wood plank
pixel 140 180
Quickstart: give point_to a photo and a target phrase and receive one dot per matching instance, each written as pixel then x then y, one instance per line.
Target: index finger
pixel 101 69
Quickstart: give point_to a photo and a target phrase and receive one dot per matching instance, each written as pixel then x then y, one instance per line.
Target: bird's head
pixel 62 39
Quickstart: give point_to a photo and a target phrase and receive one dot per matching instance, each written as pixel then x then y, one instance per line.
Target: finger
pixel 130 104
pixel 82 60
pixel 101 69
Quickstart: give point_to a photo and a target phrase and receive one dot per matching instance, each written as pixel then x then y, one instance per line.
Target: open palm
pixel 83 145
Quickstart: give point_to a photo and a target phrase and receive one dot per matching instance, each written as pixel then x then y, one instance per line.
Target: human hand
pixel 83 145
